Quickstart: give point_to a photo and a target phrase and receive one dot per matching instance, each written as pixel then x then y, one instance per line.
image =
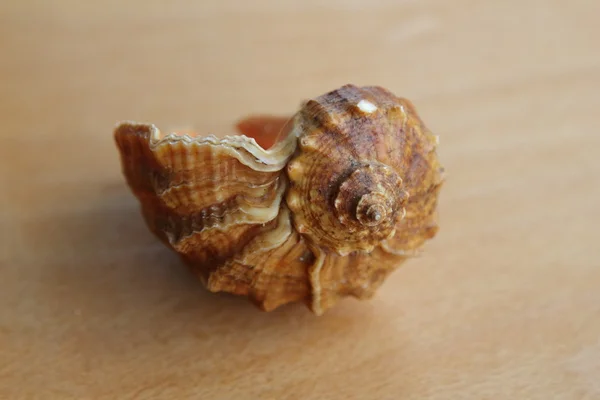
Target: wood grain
pixel 504 304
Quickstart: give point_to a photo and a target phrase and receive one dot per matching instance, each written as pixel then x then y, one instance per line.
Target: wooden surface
pixel 504 304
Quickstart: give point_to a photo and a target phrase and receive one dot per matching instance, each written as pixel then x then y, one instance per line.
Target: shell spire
pixel 311 208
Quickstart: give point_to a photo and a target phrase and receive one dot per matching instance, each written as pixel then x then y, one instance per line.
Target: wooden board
pixel 505 302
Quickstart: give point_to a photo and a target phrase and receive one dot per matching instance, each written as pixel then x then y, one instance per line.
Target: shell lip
pixel 156 137
pixel 241 146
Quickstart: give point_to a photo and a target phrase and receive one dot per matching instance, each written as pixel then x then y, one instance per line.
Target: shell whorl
pixel 346 194
pixel 369 202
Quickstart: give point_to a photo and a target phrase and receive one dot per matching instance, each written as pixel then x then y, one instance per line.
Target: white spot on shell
pixel 403 111
pixel 366 106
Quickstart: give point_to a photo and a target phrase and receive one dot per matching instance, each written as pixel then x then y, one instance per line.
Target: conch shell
pixel 311 208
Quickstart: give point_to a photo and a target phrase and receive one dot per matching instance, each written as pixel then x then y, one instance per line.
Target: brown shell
pixel 312 208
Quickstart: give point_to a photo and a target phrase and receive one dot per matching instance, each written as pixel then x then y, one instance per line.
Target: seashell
pixel 312 208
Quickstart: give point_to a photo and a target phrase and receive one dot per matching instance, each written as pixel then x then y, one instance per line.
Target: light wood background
pixel 505 302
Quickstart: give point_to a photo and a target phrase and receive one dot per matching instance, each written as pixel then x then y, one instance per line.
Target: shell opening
pixel 265 130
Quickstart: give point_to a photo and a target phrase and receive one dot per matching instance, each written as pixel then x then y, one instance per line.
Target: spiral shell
pixel 311 208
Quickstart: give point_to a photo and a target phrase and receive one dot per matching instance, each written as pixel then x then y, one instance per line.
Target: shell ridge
pixel 389 248
pixel 315 279
pixel 243 148
pixel 243 216
pixel 162 192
